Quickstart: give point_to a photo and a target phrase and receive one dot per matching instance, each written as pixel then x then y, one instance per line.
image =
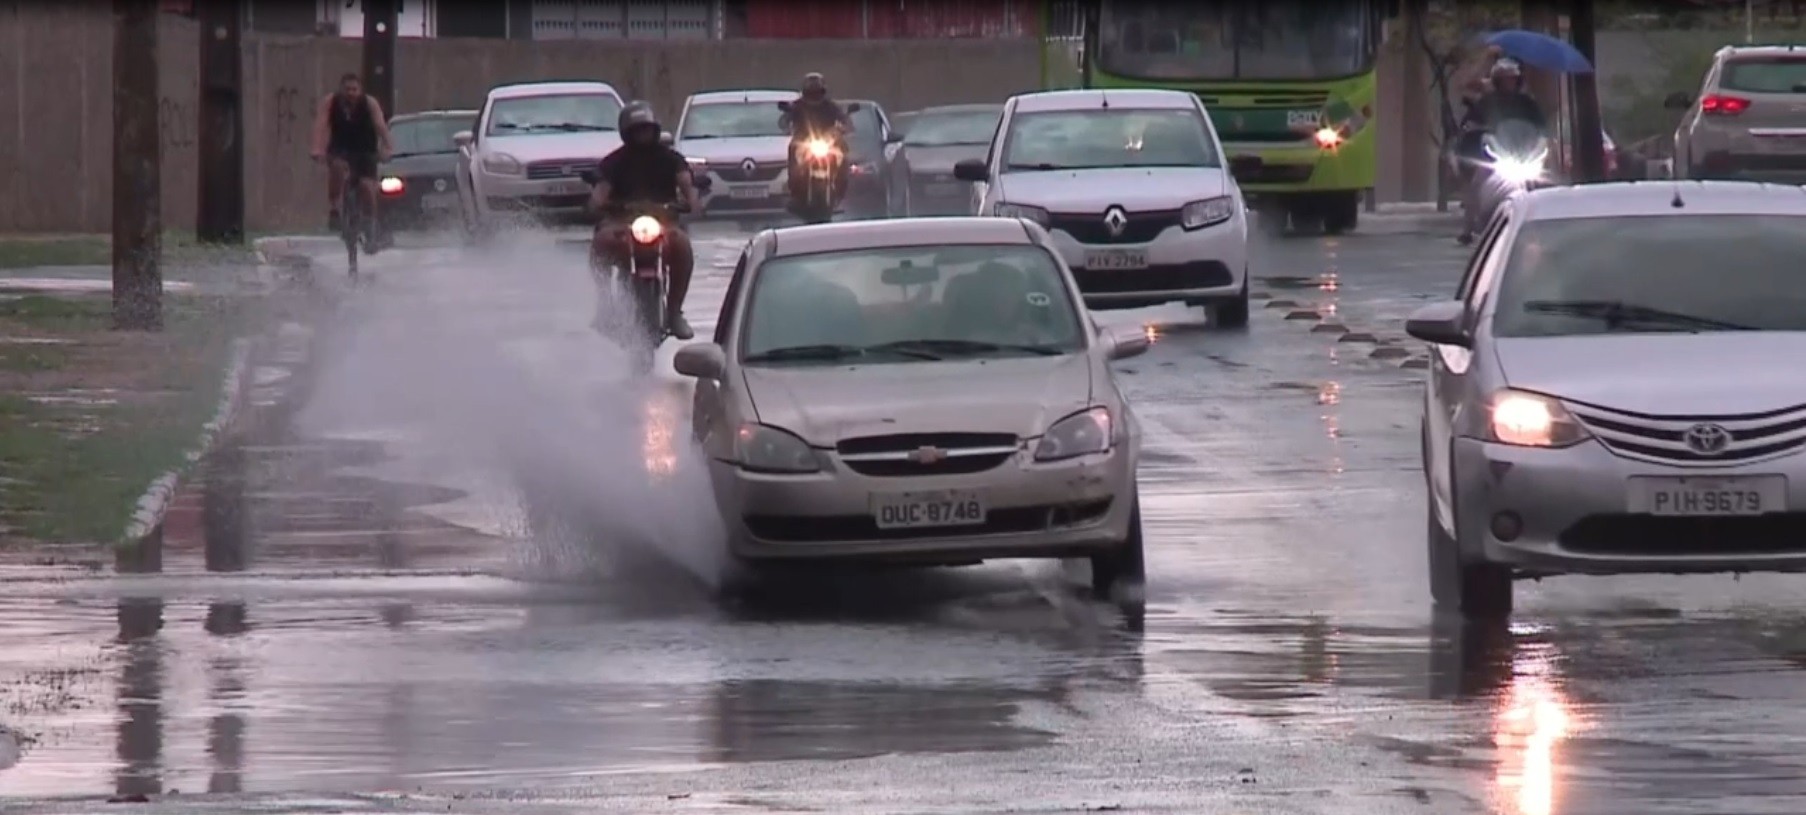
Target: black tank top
pixel 353 128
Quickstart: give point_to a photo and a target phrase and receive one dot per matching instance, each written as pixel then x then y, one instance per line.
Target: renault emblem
pixel 1707 439
pixel 927 455
pixel 748 166
pixel 1116 221
pixel 439 185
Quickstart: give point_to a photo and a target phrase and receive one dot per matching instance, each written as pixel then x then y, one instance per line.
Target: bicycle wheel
pixel 350 223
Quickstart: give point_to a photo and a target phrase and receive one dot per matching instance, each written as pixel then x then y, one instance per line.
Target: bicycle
pixel 357 229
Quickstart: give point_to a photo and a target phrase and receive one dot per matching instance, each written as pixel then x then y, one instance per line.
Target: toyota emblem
pixel 1116 221
pixel 439 185
pixel 927 455
pixel 748 166
pixel 1707 439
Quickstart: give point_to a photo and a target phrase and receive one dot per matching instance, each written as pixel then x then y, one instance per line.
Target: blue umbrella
pixel 1540 51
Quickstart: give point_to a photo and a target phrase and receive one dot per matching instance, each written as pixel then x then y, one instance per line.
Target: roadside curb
pixel 140 545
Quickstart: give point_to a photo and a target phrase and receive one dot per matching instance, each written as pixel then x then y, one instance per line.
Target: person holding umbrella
pixel 1504 100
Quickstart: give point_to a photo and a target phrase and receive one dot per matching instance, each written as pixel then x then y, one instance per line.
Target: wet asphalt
pixel 475 578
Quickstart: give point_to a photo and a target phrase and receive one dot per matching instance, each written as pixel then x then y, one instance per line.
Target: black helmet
pixel 814 86
pixel 636 115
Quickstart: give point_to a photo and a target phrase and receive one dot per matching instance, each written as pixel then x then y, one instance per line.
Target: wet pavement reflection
pixel 340 611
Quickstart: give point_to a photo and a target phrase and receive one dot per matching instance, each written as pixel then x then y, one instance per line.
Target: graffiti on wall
pixel 176 121
pixel 287 115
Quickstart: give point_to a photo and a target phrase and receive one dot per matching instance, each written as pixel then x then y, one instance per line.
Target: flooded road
pixel 475 577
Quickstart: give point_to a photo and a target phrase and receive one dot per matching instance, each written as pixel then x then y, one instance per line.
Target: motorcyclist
pixel 814 113
pixel 645 171
pixel 1505 100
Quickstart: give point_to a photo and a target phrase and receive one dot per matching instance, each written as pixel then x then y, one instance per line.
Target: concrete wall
pixel 56 83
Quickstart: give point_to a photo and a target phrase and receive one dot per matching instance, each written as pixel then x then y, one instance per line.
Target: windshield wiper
pixel 574 127
pixel 827 352
pixel 944 346
pixel 423 153
pixel 1040 166
pixel 1617 312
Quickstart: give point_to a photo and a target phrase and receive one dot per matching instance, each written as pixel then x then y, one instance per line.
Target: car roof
pixel 523 89
pixel 983 107
pixel 1086 99
pixel 747 95
pixel 1733 51
pixel 432 114
pixel 806 240
pixel 1643 198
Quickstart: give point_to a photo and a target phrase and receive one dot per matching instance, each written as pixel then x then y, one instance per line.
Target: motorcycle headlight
pixel 1518 171
pixel 1081 434
pixel 1036 214
pixel 1200 214
pixel 818 148
pixel 767 449
pixel 646 229
pixel 1526 419
pixel 501 164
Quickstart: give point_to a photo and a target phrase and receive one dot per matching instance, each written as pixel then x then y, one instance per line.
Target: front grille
pixel 1664 438
pixel 907 442
pixel 1202 274
pixel 1619 534
pixel 1141 227
pixel 562 168
pixel 1277 174
pixel 734 172
pixel 897 456
pixel 1014 520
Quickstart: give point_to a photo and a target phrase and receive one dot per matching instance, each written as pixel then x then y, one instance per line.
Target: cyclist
pixel 351 130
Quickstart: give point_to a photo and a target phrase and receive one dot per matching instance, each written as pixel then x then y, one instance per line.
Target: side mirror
pixel 589 177
pixel 1441 324
pixel 854 107
pixel 893 137
pixel 1124 346
pixel 704 360
pixel 784 106
pixel 464 138
pixel 972 169
pixel 665 138
pixel 1245 167
pixel 1677 101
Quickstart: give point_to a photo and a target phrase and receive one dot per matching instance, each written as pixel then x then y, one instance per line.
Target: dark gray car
pixel 921 177
pixel 418 183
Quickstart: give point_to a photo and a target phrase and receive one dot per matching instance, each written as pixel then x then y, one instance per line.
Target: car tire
pixel 1342 214
pixel 1233 312
pixel 1474 590
pixel 1120 575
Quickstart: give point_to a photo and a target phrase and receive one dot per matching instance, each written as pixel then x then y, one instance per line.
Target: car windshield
pixel 553 113
pixel 1225 39
pixel 727 120
pixel 1108 137
pixel 867 140
pixel 941 129
pixel 1765 75
pixel 1686 273
pixel 427 136
pixel 896 305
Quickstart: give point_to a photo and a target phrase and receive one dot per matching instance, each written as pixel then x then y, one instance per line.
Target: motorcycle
pixel 642 273
pixel 1517 159
pixel 824 159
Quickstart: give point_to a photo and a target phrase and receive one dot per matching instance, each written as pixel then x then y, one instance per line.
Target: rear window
pixel 1765 76
pixel 1687 273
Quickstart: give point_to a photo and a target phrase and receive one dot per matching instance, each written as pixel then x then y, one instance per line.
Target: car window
pixel 724 321
pixel 427 136
pixel 1113 137
pixel 1765 75
pixel 1010 295
pixel 553 113
pixel 940 129
pixel 1481 249
pixel 722 120
pixel 868 131
pixel 1490 264
pixel 1654 274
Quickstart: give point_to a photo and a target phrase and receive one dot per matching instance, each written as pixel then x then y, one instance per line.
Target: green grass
pixel 71 472
pixel 23 251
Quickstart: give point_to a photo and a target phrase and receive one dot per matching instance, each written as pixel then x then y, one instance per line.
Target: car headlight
pixel 767 449
pixel 501 164
pixel 1531 420
pixel 697 163
pixel 1036 214
pixel 1081 434
pixel 1200 214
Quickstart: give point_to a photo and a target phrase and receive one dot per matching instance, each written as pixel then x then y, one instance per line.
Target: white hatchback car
pixel 1617 387
pixel 925 391
pixel 532 143
pixel 1135 189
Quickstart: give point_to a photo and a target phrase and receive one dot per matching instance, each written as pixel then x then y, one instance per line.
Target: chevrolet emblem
pixel 927 455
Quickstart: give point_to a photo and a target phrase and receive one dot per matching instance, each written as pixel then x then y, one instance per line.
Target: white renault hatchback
pixel 1135 189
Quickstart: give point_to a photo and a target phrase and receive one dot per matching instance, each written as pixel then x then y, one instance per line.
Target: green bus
pixel 1290 85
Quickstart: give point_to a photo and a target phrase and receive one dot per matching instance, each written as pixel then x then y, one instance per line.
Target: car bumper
pixel 1576 511
pixel 511 194
pixel 1200 264
pixel 1059 509
pixel 1777 165
pixel 939 195
pixel 741 196
pixel 413 210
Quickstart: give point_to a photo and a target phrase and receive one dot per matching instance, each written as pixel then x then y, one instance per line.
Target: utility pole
pixel 1589 138
pixel 220 205
pixel 380 19
pixel 137 169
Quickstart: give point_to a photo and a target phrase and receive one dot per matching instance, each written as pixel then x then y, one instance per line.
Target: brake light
pixel 1717 105
pixel 391 185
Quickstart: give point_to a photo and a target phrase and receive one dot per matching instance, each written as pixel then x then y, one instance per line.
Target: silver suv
pixel 1749 121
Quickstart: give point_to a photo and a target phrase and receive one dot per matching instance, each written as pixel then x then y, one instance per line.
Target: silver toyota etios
pixel 1619 385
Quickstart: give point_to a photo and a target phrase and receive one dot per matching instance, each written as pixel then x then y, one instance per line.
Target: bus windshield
pixel 1225 39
